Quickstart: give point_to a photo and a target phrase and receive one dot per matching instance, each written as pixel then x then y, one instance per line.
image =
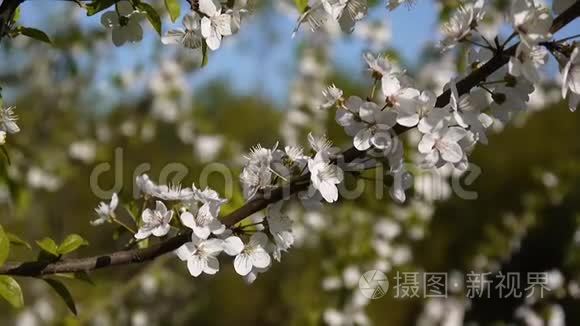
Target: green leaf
pixel 63 293
pixel 301 5
pixel 6 154
pixel 81 276
pixel 34 33
pixel 14 239
pixel 204 58
pixel 98 6
pixel 4 246
pixel 10 290
pixel 152 15
pixel 71 243
pixel 173 8
pixel 48 245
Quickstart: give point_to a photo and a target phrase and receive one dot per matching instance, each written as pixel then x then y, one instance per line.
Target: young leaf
pixel 301 5
pixel 14 239
pixel 4 246
pixel 48 245
pixel 204 58
pixel 34 33
pixel 71 243
pixel 152 15
pixel 98 5
pixel 10 290
pixel 173 8
pixel 63 293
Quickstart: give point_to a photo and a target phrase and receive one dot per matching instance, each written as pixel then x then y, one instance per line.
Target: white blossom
pixel 571 80
pixel 443 145
pixel 155 222
pixel 189 36
pixel 124 22
pixel 204 220
pixel 531 20
pixel 201 255
pixel 462 22
pixel 325 176
pixel 376 130
pixel 332 94
pixel 216 25
pixel 8 120
pixel 346 12
pixel 527 61
pixel 253 254
pixel 106 211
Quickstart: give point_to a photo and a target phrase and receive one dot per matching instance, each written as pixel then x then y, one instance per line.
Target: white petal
pixel 161 230
pixel 242 264
pixel 196 265
pixel 212 265
pixel 362 140
pixel 455 134
pixel 209 7
pixel 188 220
pixel 213 246
pixel 185 251
pixel 329 191
pixel 114 202
pixel 451 152
pixel 426 144
pixel 142 234
pixel 201 231
pixel 260 258
pixel 233 245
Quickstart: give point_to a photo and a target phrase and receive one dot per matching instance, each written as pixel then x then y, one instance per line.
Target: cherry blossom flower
pixel 155 222
pixel 106 211
pixel 8 120
pixel 201 255
pixel 204 220
pixel 325 176
pixel 531 20
pixel 527 61
pixel 346 12
pixel 253 254
pixel 189 36
pixel 331 94
pixel 376 131
pixel 442 144
pixel 258 171
pixel 378 65
pixel 216 25
pixel 124 23
pixel 461 23
pixel 571 80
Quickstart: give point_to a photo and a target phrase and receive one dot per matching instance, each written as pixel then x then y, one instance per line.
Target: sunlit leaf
pixel 10 290
pixel 173 8
pixel 14 239
pixel 48 245
pixel 4 246
pixel 71 243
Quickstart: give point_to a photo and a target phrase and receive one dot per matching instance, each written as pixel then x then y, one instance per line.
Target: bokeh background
pixel 82 98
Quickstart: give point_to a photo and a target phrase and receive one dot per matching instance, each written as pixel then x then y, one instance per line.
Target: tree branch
pixel 301 183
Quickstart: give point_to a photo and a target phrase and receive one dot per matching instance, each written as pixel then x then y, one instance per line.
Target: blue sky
pixel 260 59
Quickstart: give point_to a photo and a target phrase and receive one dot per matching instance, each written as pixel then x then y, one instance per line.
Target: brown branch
pixel 36 268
